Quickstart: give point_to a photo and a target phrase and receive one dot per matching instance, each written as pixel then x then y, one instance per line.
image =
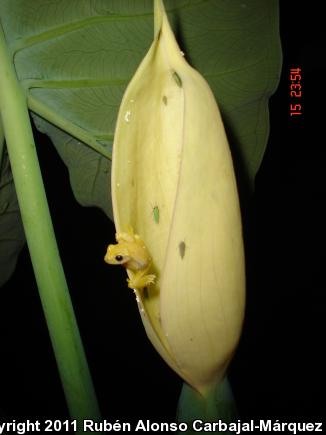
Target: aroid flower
pixel 173 182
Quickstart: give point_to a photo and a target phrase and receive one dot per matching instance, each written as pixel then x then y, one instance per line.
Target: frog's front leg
pixel 126 236
pixel 140 279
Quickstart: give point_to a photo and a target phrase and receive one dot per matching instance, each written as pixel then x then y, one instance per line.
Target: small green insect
pixel 182 249
pixel 177 79
pixel 156 213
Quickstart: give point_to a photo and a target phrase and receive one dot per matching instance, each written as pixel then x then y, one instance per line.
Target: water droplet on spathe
pixel 127 116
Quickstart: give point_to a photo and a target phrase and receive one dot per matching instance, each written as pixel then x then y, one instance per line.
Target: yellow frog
pixel 131 252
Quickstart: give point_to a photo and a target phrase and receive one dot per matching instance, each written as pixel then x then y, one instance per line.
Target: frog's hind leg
pixel 139 280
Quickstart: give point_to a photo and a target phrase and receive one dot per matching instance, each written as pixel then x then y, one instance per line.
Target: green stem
pixel 217 404
pixel 2 139
pixel 66 341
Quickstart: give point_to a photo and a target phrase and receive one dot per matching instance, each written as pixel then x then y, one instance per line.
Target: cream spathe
pixel 171 154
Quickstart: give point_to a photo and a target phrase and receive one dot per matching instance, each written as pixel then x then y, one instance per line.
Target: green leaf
pixel 12 237
pixel 88 170
pixel 75 58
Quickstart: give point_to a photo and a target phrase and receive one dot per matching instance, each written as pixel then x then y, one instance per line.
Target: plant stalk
pixel 217 404
pixel 54 293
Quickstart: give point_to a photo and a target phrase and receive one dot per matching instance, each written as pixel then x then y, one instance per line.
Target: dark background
pixel 278 370
pixel 279 367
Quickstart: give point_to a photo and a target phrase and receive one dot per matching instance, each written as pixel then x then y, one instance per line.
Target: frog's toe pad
pixel 139 282
pixel 150 279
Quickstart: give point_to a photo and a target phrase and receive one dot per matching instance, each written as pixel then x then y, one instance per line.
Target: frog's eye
pixel 119 257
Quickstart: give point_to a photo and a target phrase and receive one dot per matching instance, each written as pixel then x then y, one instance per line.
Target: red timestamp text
pixel 295 90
